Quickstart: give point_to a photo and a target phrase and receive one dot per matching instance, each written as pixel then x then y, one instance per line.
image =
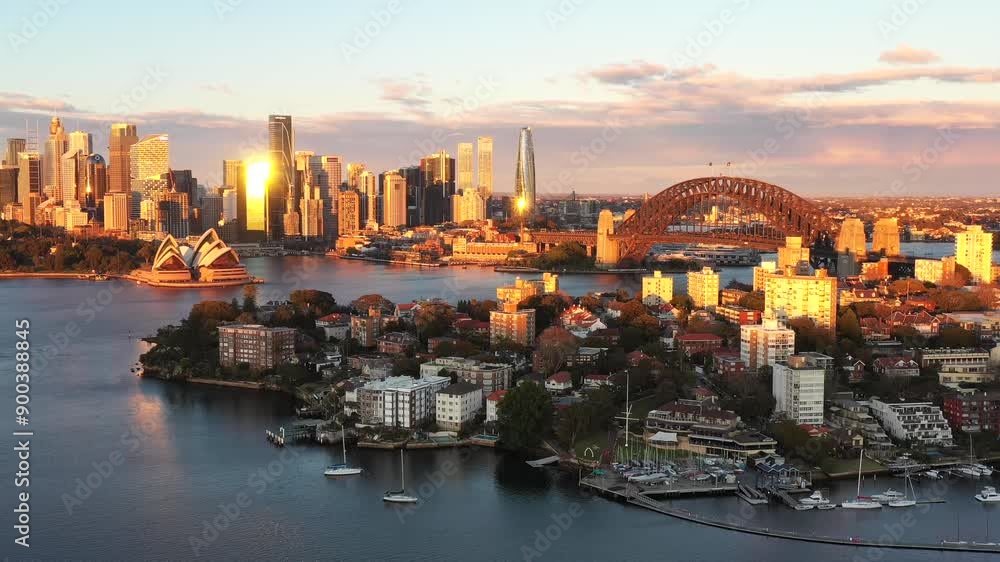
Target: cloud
pixel 218 88
pixel 407 93
pixel 905 54
pixel 628 73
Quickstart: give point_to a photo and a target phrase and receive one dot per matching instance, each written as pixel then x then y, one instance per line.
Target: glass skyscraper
pixel 281 186
pixel 524 177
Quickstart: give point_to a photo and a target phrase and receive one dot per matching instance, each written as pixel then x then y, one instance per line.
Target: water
pixel 172 454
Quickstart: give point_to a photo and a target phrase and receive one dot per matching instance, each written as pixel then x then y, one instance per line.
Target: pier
pixel 635 495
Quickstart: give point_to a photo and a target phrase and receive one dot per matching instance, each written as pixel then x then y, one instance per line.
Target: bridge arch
pixel 786 214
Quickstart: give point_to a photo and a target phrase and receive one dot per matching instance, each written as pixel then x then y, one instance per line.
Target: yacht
pixel 906 500
pixel 888 496
pixel 815 499
pixel 861 502
pixel 400 496
pixel 932 474
pixel 827 506
pixel 988 494
pixel 983 469
pixel 802 506
pixel 342 469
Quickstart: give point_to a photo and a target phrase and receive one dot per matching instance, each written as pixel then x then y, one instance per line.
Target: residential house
pixel 492 401
pixel 691 344
pixel 559 382
pixel 896 367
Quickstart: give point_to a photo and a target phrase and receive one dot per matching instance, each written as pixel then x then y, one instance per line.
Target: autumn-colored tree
pixel 365 302
pixel 553 347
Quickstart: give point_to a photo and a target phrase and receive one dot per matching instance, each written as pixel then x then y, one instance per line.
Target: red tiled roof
pixel 698 337
pixel 561 376
pixel 335 317
pixel 496 395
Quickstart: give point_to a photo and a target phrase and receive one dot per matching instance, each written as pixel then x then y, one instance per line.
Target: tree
pixel 809 336
pixel 553 347
pixel 434 319
pixel 94 255
pixel 365 302
pixel 907 287
pixel 146 252
pixel 250 299
pixel 524 416
pixel 849 327
pixel 753 300
pixel 313 302
pixel 682 302
pixel 955 336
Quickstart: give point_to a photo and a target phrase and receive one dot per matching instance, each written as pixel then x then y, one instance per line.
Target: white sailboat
pixel 342 469
pixel 906 500
pixel 861 502
pixel 399 496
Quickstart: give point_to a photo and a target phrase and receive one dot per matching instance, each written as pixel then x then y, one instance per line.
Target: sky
pixel 854 97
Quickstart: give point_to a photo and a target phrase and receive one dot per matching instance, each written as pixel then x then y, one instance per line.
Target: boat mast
pixel 861 456
pixel 402 472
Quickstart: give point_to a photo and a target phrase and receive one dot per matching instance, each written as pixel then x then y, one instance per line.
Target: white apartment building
pixel 458 404
pixel 765 344
pixel 920 422
pixel 657 289
pixel 703 288
pixel 492 401
pixel 400 401
pixel 797 386
pixel 489 376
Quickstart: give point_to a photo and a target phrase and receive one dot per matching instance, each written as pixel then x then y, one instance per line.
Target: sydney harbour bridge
pixel 710 210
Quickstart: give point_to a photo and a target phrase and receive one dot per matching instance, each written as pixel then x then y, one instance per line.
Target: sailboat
pixel 906 500
pixel 342 469
pixel 861 502
pixel 399 496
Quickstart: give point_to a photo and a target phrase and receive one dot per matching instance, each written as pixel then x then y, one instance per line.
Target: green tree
pixel 848 326
pixel 250 299
pixel 94 256
pixel 524 416
pixel 753 300
pixel 313 302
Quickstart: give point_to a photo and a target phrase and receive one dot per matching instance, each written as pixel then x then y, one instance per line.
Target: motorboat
pixel 932 474
pixel 983 469
pixel 816 498
pixel 888 496
pixel 400 495
pixel 826 506
pixel 802 506
pixel 988 494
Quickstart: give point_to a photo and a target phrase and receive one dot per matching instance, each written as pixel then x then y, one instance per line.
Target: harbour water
pixel 127 468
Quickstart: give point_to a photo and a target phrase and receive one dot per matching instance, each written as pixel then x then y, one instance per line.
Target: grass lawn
pixel 597 441
pixel 642 406
pixel 841 466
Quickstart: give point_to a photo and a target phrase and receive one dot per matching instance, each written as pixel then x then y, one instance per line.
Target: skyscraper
pixel 252 201
pixel 368 186
pixel 354 170
pixel 437 186
pixel 72 175
pixel 465 166
pixel 149 160
pixel 95 182
pixel 394 200
pixel 80 141
pixel 311 209
pixel 468 206
pixel 327 174
pixel 484 149
pixel 281 194
pixel 29 180
pixel 349 212
pixel 14 148
pixel 55 147
pixel 852 237
pixel 885 239
pixel 116 211
pixel 8 184
pixel 524 176
pixel 974 251
pixel 123 136
pixel 230 173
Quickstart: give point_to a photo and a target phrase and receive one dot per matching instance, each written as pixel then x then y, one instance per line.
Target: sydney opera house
pixel 208 261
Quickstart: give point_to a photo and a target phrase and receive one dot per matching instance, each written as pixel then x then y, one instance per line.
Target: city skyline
pixel 701 86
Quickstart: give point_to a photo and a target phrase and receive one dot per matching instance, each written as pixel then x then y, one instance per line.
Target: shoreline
pixel 101 277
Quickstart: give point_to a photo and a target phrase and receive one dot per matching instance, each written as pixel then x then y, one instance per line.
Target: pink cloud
pixel 905 54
